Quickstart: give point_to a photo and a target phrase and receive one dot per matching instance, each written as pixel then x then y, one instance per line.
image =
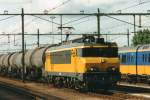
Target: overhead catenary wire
pixel 59 5
pixel 3 19
pixel 135 5
pixel 8 17
pixel 128 23
pixel 144 2
pixel 46 20
pixel 72 21
pixel 122 21
pixel 63 3
pixel 54 8
pixel 141 3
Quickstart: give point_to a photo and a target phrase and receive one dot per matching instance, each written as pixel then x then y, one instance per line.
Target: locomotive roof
pixel 71 45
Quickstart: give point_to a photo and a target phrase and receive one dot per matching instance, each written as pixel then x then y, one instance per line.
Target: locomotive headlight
pixel 91 69
pixel 113 69
pixel 102 60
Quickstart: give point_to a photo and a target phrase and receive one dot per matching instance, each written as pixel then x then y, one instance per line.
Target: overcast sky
pixel 70 6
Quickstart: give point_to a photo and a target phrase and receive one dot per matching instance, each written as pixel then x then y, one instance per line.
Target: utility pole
pixel 23 51
pixel 25 46
pixel 134 24
pixel 128 38
pixel 14 40
pixel 8 42
pixel 38 38
pixel 140 21
pixel 52 17
pixel 61 29
pixel 106 38
pixel 8 38
pixel 98 23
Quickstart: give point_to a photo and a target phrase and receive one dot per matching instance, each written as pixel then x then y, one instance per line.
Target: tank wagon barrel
pixel 1 59
pixel 12 60
pixel 18 60
pixel 35 57
pixel 34 61
pixel 6 60
pixel 28 56
pixel 4 63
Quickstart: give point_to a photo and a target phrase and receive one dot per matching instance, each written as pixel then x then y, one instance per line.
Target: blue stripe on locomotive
pixel 143 58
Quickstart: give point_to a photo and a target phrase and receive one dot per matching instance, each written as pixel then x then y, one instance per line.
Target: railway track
pixel 27 92
pixel 45 91
pixel 137 85
pixel 11 94
pixel 120 94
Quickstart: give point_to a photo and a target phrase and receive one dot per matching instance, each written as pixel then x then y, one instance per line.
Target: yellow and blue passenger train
pixel 135 63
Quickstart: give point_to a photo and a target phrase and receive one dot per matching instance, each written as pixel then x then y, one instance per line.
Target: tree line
pixel 141 37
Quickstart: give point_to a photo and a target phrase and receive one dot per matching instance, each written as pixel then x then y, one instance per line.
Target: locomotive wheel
pixel 65 83
pixel 58 82
pixel 77 85
pixel 83 87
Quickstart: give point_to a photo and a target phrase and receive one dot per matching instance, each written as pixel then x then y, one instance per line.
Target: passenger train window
pixel 128 58
pixel 120 57
pixel 143 58
pixel 124 58
pixel 149 58
pixel 132 58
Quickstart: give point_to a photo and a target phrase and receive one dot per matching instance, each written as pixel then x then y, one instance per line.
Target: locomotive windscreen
pixel 98 52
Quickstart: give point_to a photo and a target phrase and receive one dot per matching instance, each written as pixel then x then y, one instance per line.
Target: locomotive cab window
pixel 61 57
pixel 98 52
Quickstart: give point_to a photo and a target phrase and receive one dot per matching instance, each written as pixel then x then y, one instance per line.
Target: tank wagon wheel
pixel 32 74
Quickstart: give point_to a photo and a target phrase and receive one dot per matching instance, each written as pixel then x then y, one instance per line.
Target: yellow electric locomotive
pixel 83 63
